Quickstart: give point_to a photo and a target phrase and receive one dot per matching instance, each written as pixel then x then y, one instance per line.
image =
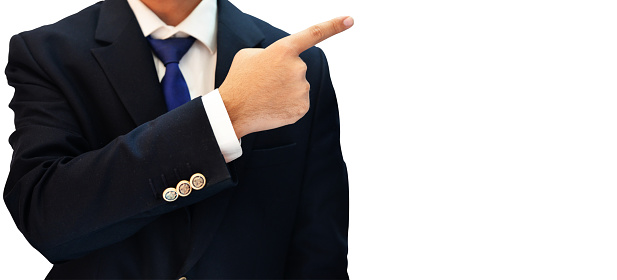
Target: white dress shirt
pixel 198 65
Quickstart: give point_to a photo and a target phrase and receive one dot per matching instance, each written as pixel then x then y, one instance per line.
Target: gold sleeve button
pixel 170 194
pixel 198 181
pixel 183 188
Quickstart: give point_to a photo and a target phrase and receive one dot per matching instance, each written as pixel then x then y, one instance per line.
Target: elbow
pixel 54 251
pixel 34 228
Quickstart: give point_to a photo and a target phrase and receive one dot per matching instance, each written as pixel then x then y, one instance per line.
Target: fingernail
pixel 348 22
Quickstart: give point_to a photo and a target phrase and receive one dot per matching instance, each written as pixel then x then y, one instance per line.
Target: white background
pixel 480 136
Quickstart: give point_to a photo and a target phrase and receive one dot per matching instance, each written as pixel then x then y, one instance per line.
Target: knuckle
pixel 317 31
pixel 299 111
pixel 300 66
pixel 246 53
pixel 305 108
pixel 284 48
pixel 301 105
pixel 307 87
pixel 334 26
pixel 240 54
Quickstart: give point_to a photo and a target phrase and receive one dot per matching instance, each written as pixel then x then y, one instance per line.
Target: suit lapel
pixel 236 31
pixel 127 61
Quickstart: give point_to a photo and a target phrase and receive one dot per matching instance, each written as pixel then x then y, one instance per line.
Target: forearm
pixel 57 199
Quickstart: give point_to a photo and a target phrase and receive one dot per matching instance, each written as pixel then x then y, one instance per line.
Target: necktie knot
pixel 170 50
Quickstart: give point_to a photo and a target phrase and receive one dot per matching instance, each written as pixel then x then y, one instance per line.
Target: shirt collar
pixel 201 23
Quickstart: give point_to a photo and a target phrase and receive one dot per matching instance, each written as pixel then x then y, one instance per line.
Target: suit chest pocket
pixel 274 156
pixel 275 174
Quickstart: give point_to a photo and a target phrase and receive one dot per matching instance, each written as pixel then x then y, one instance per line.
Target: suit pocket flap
pixel 272 156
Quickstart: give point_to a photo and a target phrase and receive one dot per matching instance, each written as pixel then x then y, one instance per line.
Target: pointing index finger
pixel 311 36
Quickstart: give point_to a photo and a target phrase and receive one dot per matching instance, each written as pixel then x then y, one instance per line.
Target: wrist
pixel 233 111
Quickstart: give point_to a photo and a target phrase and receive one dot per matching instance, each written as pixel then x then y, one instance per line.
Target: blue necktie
pixel 170 51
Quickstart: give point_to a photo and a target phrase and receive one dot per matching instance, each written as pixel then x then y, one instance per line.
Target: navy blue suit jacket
pixel 94 149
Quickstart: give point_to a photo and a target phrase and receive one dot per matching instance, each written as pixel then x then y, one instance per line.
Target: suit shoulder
pixel 70 38
pixel 78 25
pixel 272 33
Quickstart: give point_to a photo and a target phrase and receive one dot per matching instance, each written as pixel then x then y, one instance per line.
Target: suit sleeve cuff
pixel 221 126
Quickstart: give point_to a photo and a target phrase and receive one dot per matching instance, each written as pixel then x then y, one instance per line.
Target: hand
pixel 267 88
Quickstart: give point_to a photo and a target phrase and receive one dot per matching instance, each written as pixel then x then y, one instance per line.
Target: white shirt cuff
pixel 221 126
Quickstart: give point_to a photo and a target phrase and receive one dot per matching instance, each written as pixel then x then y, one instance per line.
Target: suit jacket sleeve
pixel 69 198
pixel 319 243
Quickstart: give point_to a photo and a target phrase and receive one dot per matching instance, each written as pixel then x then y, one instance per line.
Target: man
pixel 102 159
